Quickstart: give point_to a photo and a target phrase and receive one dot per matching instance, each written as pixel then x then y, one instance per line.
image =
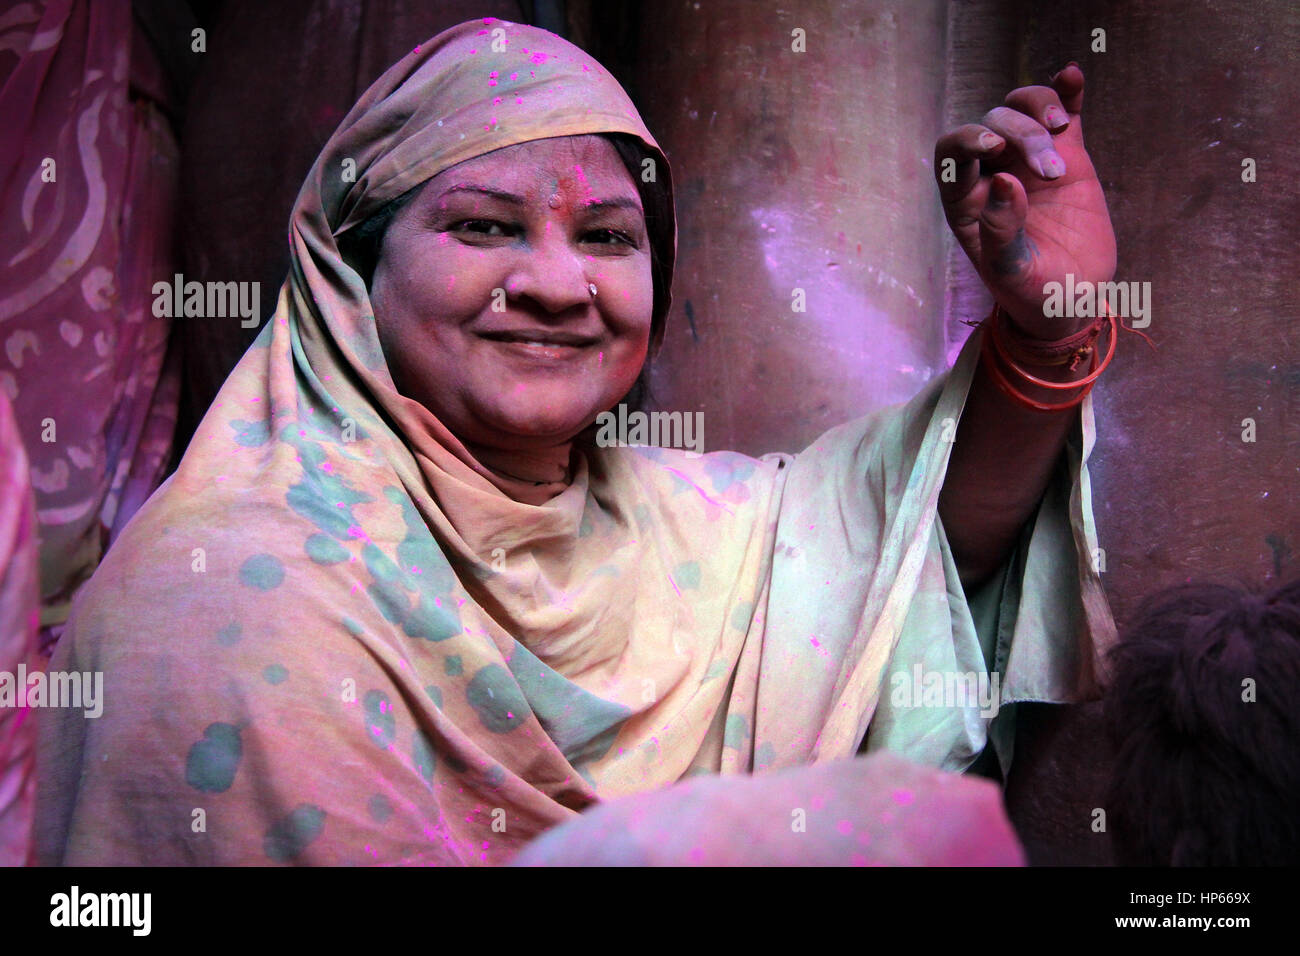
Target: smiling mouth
pixel 543 338
pixel 542 344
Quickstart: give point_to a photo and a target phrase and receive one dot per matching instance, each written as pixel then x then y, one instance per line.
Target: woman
pixel 397 606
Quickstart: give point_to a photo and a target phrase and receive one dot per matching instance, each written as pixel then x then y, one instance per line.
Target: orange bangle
pixel 990 363
pixel 1089 350
pixel 991 349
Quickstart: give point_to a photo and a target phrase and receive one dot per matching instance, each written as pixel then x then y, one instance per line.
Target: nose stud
pixel 591 287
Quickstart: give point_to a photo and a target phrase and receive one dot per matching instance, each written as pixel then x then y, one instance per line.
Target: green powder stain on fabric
pixel 322 498
pixel 379 564
pixel 452 665
pixel 214 760
pixel 736 733
pixel 422 754
pixel 380 808
pixel 381 719
pixel 687 575
pixel 496 775
pixel 764 755
pixel 230 635
pixel 742 615
pixel 432 621
pixel 355 629
pixel 262 571
pixel 390 600
pixel 435 695
pixel 275 674
pixel 717 669
pixel 726 468
pixel 323 549
pixel 250 434
pixel 496 699
pixel 287 839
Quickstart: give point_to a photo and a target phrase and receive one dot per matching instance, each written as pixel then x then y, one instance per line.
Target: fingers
pixel 956 161
pixel 1042 104
pixel 1028 137
pixel 1004 248
pixel 1068 85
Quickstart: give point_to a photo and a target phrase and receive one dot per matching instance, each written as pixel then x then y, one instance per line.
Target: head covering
pixel 336 637
pixel 478 87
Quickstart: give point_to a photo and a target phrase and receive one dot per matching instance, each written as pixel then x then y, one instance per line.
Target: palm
pixel 1049 228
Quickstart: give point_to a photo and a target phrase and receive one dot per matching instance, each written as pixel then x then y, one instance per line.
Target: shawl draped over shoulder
pixel 331 638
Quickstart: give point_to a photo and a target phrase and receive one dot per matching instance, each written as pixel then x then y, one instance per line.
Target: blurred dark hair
pixel 362 245
pixel 1202 776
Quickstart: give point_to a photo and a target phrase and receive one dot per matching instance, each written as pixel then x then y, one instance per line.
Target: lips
pixel 551 338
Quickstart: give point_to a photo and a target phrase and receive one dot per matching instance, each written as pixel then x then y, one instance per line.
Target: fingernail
pixel 1055 118
pixel 1002 191
pixel 1073 63
pixel 990 140
pixel 1049 164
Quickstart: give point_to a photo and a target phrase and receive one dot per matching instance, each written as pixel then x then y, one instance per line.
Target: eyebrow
pixel 616 202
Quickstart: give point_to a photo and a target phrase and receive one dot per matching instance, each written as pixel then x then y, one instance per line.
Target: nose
pixel 552 273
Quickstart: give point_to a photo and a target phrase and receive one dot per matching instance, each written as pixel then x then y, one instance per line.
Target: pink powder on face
pixel 903 797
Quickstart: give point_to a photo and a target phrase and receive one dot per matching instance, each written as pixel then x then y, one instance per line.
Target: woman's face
pixel 481 292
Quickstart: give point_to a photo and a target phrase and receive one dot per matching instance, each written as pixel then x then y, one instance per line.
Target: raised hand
pixel 1023 200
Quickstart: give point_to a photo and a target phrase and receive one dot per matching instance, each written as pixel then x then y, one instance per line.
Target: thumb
pixel 1003 248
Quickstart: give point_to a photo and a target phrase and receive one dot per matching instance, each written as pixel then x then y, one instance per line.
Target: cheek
pixel 449 282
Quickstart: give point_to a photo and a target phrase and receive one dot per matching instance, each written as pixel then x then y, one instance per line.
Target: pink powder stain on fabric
pixel 859 860
pixel 492 78
pixel 514 77
pixel 845 827
pixel 539 58
pixel 903 797
pixel 221 477
pixel 496 101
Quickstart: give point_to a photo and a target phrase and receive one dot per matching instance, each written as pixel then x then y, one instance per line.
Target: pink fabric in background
pixel 81 353
pixel 18 620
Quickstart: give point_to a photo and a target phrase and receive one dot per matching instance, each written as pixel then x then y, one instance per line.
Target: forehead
pixel 586 163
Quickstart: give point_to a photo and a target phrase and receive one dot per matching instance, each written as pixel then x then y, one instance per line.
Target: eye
pixel 609 237
pixel 482 227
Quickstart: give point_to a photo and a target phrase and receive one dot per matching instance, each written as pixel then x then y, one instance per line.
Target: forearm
pixel 1002 458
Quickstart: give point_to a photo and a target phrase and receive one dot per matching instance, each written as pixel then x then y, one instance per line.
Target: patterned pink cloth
pixel 18 619
pixel 88 176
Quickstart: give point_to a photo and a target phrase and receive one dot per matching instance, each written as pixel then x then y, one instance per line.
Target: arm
pixel 1024 202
